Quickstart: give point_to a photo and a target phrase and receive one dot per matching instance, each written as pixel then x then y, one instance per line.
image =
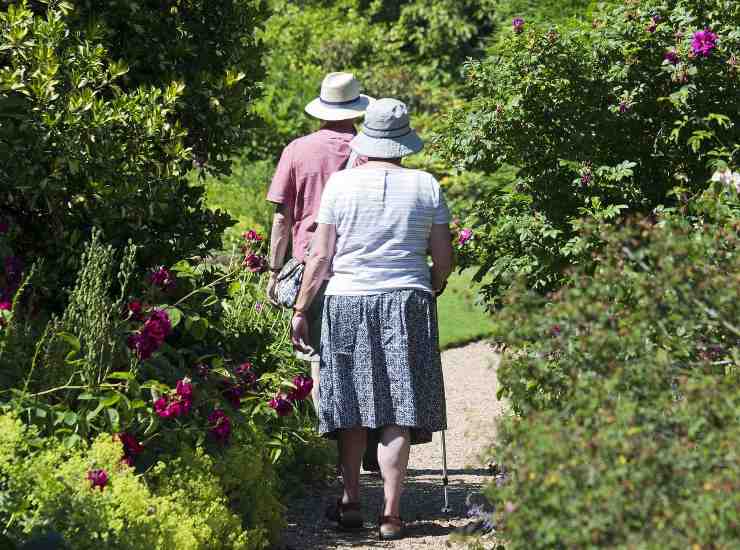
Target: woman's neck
pixel 396 163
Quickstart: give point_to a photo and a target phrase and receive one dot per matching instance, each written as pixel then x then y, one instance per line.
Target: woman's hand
pixel 438 291
pixel 299 332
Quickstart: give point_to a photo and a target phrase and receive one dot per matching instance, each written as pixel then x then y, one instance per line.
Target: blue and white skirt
pixel 380 364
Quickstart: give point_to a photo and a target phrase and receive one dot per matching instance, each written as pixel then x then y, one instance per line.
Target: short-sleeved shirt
pixel 301 175
pixel 383 221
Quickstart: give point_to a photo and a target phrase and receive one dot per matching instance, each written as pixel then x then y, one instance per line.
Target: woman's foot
pixel 390 528
pixel 347 515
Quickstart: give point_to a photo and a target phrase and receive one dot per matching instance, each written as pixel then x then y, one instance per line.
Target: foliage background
pixel 575 151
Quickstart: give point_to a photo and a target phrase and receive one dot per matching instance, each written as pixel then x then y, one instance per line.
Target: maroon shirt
pixel 300 177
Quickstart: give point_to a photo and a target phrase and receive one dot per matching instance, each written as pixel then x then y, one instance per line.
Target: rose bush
pixel 165 370
pixel 601 120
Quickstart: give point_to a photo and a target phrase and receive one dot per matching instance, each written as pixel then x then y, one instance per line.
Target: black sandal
pixel 346 515
pixel 390 528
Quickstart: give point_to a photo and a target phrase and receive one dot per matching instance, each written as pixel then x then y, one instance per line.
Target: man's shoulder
pixel 309 140
pixel 299 141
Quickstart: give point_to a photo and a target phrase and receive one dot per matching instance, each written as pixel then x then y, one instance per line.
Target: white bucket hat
pixel 340 98
pixel 386 132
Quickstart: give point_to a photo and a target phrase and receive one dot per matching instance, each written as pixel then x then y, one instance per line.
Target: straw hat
pixel 340 98
pixel 386 132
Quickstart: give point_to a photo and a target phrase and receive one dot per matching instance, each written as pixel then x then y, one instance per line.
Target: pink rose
pixel 97 478
pixel 464 236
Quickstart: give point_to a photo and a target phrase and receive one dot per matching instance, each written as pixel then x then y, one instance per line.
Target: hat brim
pixel 322 111
pixel 387 148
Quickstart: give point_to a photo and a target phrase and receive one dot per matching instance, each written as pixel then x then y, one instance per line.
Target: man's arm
pixel 282 224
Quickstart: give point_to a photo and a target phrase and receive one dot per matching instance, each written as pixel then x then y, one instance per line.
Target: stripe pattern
pixel 383 220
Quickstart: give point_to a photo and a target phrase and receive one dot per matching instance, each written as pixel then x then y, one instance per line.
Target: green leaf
pixel 110 400
pixel 72 441
pixel 92 414
pixel 210 301
pixel 175 315
pixel 121 375
pixel 70 418
pixel 73 342
pixel 114 418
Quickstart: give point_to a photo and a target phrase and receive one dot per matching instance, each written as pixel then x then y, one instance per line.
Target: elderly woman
pixel 380 362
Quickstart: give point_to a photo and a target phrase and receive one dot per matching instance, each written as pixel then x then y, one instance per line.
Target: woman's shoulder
pixel 359 176
pixel 418 176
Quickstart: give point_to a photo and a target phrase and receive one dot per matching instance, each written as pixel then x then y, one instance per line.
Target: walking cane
pixel 445 480
pixel 446 508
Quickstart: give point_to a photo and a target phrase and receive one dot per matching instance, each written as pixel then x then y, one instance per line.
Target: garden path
pixel 472 407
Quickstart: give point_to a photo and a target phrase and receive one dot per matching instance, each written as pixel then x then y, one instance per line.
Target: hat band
pixel 386 134
pixel 337 103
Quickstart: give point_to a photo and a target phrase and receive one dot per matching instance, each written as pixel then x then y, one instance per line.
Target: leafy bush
pixel 562 13
pixel 625 473
pixel 600 120
pixel 179 504
pixel 627 385
pixel 98 134
pixel 661 294
pixel 209 48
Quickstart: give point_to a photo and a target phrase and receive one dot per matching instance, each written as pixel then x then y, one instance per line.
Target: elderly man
pixel 303 170
pixel 301 174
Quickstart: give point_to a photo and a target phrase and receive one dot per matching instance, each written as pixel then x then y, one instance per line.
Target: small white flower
pixel 727 177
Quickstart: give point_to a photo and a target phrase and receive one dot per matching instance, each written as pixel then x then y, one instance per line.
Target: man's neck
pixel 339 125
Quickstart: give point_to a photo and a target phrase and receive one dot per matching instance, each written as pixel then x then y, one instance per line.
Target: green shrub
pixel 104 111
pixel 411 50
pixel 183 506
pixel 211 49
pixel 599 122
pixel 549 13
pixel 662 294
pixel 627 389
pixel 623 473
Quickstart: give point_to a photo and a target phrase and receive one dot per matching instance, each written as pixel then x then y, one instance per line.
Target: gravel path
pixel 471 410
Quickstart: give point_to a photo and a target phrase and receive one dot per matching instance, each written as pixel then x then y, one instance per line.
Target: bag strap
pixel 352 160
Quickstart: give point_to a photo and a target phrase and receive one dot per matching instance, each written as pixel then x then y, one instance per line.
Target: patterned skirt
pixel 380 364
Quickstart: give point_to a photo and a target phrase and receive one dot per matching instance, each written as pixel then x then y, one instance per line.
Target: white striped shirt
pixel 383 219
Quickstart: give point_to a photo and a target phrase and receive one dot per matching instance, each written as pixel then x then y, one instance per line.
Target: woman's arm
pixel 318 266
pixel 440 245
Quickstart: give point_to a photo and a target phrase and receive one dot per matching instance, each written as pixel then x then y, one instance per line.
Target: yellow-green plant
pixel 46 487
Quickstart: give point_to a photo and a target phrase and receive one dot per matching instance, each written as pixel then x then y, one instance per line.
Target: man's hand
pixel 299 332
pixel 271 289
